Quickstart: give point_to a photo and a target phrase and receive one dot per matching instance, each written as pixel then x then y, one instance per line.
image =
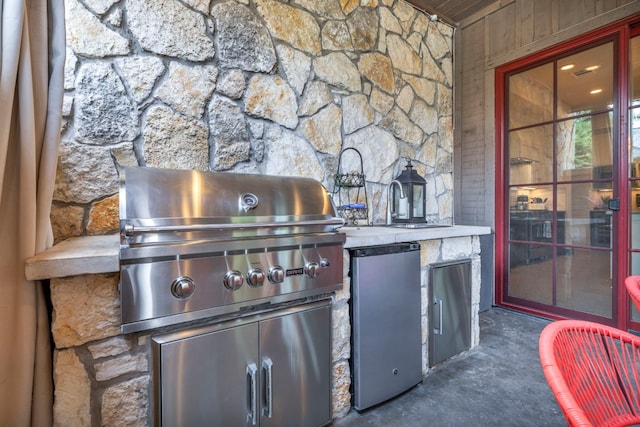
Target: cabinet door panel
pixel 205 380
pixel 299 347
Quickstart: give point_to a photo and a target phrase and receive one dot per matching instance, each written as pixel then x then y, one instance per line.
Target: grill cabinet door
pixel 449 310
pixel 205 379
pixel 298 346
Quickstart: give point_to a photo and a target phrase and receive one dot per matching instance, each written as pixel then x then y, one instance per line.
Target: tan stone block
pixel 430 251
pixel 378 68
pixel 323 130
pixel 111 347
pixel 104 216
pixel 341 334
pixel 126 403
pixel 66 222
pixel 292 25
pixel 72 405
pixel 381 101
pixel 113 368
pixel 456 248
pixel 349 6
pixel 341 403
pixel 172 140
pixel 85 308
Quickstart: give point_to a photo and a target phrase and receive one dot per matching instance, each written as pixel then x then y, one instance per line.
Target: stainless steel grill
pixel 194 245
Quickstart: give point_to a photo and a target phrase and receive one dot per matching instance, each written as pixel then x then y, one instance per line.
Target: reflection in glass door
pixel 559 143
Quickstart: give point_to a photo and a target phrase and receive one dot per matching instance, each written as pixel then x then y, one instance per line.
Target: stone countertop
pixel 382 235
pixel 101 254
pixel 75 256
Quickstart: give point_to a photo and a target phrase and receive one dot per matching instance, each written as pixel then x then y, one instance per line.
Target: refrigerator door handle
pixel 267 366
pixel 439 329
pixel 252 369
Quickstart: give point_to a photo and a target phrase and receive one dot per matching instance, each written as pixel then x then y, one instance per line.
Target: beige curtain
pixel 32 44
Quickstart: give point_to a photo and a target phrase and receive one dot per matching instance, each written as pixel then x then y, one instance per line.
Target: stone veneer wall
pixel 257 86
pixel 260 86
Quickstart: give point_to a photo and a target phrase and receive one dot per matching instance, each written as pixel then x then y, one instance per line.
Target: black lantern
pixel 409 204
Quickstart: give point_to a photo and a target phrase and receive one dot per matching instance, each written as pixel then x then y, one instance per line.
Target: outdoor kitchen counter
pixel 382 235
pixel 100 254
pixel 76 256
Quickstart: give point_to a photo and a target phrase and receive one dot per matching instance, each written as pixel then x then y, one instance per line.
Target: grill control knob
pixel 255 277
pixel 233 280
pixel 276 274
pixel 311 269
pixel 183 287
pixel 324 262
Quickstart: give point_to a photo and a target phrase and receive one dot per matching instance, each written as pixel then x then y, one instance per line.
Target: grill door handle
pixel 252 369
pixel 130 230
pixel 438 330
pixel 267 367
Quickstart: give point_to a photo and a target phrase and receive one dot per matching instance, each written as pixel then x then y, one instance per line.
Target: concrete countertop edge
pixel 101 254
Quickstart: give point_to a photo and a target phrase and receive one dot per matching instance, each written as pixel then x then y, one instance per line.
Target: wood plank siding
pixel 500 33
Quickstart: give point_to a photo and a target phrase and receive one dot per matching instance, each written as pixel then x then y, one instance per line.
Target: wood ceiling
pixel 452 11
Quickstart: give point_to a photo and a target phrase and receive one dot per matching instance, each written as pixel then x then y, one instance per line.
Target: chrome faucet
pixel 390 213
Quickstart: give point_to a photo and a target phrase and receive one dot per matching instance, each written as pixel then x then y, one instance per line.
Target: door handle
pixel 252 369
pixel 267 367
pixel 439 329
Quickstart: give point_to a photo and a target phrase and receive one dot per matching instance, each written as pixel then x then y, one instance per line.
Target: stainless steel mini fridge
pixel 387 349
pixel 449 309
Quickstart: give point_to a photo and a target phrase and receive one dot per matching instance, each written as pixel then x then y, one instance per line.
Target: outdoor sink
pixel 418 225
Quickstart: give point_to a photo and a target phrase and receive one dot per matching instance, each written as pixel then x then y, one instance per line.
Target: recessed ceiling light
pixel 592 67
pixel 595 91
pixel 567 67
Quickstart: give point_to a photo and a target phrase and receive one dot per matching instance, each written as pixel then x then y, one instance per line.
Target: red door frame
pixel 622 32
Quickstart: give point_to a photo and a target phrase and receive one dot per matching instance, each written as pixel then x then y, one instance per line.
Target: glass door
pixel 634 163
pixel 558 201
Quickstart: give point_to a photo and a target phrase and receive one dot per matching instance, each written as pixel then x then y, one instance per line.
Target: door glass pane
pixel 584 281
pixel 634 151
pixel 585 149
pixel 635 70
pixel 418 197
pixel 531 155
pixel 531 96
pixel 635 232
pixel 532 281
pixel 634 160
pixel 634 172
pixel 525 201
pixel 587 222
pixel 585 81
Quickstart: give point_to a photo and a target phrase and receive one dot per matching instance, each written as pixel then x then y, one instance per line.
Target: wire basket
pixel 354 214
pixel 349 180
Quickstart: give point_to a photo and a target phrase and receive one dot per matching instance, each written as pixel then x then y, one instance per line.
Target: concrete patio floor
pixel 498 383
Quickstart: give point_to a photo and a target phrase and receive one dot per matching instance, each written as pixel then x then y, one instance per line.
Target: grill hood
pixel 166 205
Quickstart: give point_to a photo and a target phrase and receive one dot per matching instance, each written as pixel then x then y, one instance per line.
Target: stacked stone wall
pixel 258 86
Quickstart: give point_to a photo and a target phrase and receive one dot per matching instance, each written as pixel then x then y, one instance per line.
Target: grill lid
pixel 160 206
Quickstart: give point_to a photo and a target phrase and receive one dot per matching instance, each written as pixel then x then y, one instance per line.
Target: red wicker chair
pixel 632 284
pixel 592 370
